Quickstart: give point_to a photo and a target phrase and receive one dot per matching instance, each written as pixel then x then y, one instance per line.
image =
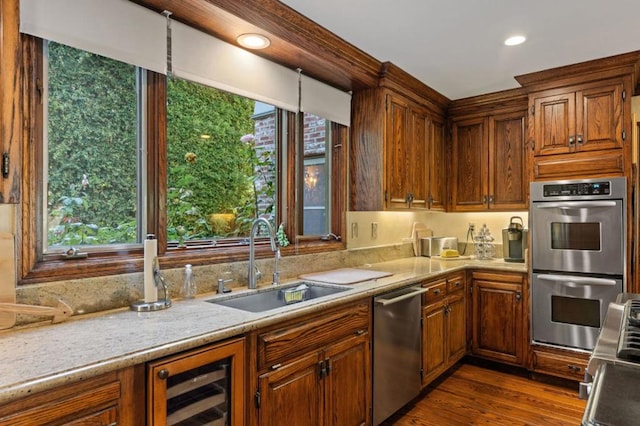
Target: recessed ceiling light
pixel 515 40
pixel 253 41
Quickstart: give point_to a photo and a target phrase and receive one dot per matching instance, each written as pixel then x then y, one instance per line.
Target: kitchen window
pixel 128 120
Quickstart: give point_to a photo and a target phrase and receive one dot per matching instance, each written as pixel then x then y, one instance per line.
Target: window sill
pixel 99 265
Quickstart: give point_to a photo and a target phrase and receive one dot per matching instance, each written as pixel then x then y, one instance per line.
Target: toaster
pixel 433 246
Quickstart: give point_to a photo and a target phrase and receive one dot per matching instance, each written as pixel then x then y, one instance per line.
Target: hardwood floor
pixel 474 395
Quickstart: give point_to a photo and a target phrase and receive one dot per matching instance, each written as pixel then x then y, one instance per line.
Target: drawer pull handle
pixel 436 291
pixel 360 332
pixel 163 374
pixel 574 368
pixel 276 366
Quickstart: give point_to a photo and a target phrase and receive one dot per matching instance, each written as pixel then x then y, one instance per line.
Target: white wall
pixel 8 218
pixel 395 227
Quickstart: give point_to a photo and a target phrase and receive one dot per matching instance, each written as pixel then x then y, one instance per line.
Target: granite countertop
pixel 34 359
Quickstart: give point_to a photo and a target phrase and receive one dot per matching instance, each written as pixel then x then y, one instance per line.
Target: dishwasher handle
pixel 416 291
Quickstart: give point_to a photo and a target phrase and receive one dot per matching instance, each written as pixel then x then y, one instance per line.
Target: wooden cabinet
pixel 499 315
pixel 580 118
pixel 578 131
pixel 406 153
pixel 489 157
pixel 398 153
pixel 443 325
pixel 588 118
pixel 201 386
pixel 108 399
pixel 558 362
pixel 10 114
pixel 317 369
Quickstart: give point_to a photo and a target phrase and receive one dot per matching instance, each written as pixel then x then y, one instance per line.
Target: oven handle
pixel 577 280
pixel 575 204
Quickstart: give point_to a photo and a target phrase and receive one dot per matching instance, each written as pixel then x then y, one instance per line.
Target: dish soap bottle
pixel 189 286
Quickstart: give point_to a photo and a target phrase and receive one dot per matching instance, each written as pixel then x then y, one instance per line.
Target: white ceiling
pixel 456 46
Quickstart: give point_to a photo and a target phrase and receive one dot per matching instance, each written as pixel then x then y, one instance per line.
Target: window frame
pixel 37 267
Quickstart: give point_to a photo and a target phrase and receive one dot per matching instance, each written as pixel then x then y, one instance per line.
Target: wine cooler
pixel 199 387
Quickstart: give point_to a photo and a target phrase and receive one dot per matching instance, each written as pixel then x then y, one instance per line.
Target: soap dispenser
pixel 189 287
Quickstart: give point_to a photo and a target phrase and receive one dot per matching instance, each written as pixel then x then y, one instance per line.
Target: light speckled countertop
pixel 40 358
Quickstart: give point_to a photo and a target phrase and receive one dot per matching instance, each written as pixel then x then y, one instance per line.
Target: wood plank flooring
pixel 474 395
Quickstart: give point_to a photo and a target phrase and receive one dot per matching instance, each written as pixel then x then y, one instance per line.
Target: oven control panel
pixel 579 188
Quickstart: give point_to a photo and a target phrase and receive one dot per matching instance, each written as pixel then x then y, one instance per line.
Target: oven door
pixel 578 236
pixel 568 310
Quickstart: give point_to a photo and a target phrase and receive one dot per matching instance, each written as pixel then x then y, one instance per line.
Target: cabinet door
pixel 418 163
pixel 599 118
pixel 433 341
pixel 508 162
pixel 397 154
pixel 497 320
pixel 438 170
pixel 347 385
pixel 554 124
pixel 202 385
pixel 291 394
pixel 469 164
pixel 456 327
pixel 10 117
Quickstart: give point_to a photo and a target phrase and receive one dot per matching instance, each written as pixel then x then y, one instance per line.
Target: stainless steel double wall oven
pixel 578 252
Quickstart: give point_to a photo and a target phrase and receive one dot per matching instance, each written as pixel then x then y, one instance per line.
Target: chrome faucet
pixel 254 272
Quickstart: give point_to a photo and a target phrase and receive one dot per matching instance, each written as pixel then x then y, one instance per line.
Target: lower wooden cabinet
pixel 558 362
pixel 443 325
pixel 200 386
pixel 109 399
pixel 319 370
pixel 499 317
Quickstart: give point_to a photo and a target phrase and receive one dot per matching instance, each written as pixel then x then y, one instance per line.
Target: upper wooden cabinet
pixel 489 167
pixel 578 131
pixel 588 119
pixel 580 118
pixel 397 153
pixel 398 145
pixel 10 81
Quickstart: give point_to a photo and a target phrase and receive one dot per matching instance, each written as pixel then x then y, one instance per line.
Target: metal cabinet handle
pixel 574 368
pixel 163 374
pixel 360 332
pixel 572 140
pixel 416 291
pixel 457 284
pixel 436 291
pixel 491 199
pixel 484 199
pixel 579 139
pixel 518 296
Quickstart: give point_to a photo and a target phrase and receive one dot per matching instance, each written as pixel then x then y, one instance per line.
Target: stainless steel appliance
pixel 433 246
pixel 614 367
pixel 515 239
pixel 578 250
pixel 396 350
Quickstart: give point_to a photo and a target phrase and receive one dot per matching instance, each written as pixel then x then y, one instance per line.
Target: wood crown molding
pixel 598 69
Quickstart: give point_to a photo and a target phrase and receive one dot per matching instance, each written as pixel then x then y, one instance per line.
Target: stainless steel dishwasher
pixel 396 350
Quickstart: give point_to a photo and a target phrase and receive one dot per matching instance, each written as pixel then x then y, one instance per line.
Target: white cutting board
pixel 7 278
pixel 345 276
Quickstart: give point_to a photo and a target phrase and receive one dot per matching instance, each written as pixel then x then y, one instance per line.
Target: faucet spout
pixel 253 279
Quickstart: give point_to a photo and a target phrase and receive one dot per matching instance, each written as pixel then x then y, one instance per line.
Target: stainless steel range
pixel 578 252
pixel 615 367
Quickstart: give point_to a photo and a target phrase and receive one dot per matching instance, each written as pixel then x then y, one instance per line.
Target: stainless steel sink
pixel 277 297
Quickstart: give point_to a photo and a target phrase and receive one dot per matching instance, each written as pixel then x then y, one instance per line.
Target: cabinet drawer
pixel 300 337
pixel 437 291
pixel 568 367
pixel 455 283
